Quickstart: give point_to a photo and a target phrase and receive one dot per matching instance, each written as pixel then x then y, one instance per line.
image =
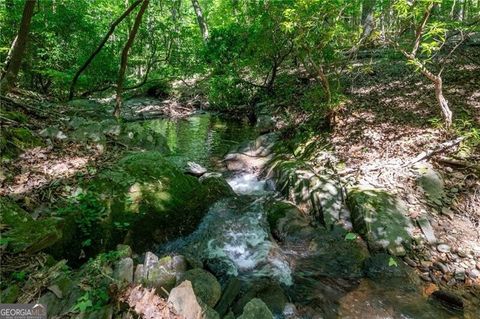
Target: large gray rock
pixel 256 309
pixel 431 183
pixel 124 270
pixel 161 273
pixel 318 195
pixel 252 157
pixel 185 302
pixel 205 285
pixel 381 219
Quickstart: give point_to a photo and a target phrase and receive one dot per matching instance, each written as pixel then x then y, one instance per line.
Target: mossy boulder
pixel 318 195
pixel 256 309
pixel 140 201
pixel 217 185
pixel 274 297
pixel 21 233
pixel 380 218
pixel 286 220
pixel 332 255
pixel 205 285
pixel 131 134
pixel 15 139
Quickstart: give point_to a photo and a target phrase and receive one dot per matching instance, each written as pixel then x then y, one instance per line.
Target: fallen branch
pixel 455 162
pixel 439 149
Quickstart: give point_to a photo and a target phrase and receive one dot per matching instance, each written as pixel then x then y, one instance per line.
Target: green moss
pixel 256 309
pixel 380 217
pixel 141 200
pixel 276 211
pixel 16 139
pixel 205 285
pixel 15 116
pixel 10 294
pixel 23 232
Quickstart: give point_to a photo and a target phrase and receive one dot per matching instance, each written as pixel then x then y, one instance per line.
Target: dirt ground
pixel 391 117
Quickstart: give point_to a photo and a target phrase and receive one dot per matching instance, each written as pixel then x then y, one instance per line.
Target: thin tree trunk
pixel 124 59
pixel 447 114
pixel 322 77
pixel 436 79
pixel 18 50
pixel 368 19
pixel 8 58
pixel 200 19
pixel 100 46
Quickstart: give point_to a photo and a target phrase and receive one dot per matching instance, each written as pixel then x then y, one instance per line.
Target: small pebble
pixel 461 253
pixel 451 282
pixel 444 248
pixel 442 267
pixel 478 265
pixel 425 276
pixel 460 274
pixel 426 263
pixel 473 273
pixel 453 257
pixel 410 262
pixel 434 278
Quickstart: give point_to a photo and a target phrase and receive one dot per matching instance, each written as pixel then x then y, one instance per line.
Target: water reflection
pixel 202 138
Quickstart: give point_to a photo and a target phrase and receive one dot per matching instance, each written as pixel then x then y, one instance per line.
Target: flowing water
pixel 234 240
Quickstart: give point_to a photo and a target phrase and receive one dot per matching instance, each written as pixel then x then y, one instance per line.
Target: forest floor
pixel 390 118
pixel 41 175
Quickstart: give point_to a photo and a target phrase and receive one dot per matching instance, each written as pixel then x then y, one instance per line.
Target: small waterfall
pixel 247 184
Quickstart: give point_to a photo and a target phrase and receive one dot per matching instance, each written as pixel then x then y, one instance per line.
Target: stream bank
pixel 289 235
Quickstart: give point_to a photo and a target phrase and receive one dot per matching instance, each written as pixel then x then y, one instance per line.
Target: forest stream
pixel 226 159
pixel 311 272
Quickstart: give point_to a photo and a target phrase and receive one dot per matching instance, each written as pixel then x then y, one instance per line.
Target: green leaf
pixel 350 236
pixel 392 262
pixel 84 305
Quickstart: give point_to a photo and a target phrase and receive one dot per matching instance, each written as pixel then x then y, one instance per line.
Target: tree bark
pixel 322 77
pixel 438 84
pixel 436 79
pixel 124 59
pixel 18 49
pixel 9 57
pixel 100 46
pixel 368 19
pixel 201 20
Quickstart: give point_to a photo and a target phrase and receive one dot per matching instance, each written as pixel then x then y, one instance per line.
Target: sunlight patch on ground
pixel 41 166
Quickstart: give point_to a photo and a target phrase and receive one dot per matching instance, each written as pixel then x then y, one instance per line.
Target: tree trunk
pixel 9 57
pixel 18 50
pixel 436 79
pixel 124 59
pixel 200 19
pixel 368 19
pixel 322 77
pixel 100 46
pixel 447 114
pixel 438 84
